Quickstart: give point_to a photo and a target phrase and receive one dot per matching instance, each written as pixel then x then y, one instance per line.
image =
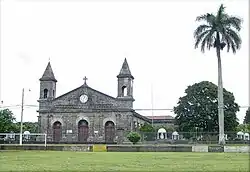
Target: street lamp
pixel 21 125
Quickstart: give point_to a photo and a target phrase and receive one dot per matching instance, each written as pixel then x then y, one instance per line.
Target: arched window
pixel 53 93
pixel 124 91
pixel 45 93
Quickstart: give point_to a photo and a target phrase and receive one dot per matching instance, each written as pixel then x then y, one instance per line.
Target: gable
pixel 95 99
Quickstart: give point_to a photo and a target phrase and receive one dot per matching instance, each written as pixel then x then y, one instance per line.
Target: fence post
pixel 45 140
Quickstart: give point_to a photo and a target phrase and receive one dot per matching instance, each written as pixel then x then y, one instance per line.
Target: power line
pixel 152 109
pixel 142 109
pixel 6 106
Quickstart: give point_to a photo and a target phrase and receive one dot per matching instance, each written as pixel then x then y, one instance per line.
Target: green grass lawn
pixel 121 161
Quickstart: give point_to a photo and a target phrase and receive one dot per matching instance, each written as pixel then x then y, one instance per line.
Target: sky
pixel 92 38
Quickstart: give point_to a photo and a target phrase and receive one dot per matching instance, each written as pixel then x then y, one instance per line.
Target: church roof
pixel 48 74
pixel 142 117
pixel 125 71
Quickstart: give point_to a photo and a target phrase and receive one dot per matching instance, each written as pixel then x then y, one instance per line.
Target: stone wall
pixel 132 148
pixel 50 148
pixel 149 148
pixel 200 148
pixel 239 149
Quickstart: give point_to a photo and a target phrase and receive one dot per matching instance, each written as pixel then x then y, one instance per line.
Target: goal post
pixel 26 138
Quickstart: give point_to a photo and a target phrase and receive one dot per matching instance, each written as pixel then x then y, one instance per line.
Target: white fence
pixel 25 138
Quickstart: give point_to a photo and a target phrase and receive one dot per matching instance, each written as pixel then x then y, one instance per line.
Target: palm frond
pixel 232 39
pixel 220 12
pixel 207 40
pixel 199 38
pixel 210 40
pixel 233 47
pixel 235 38
pixel 234 22
pixel 202 17
pixel 201 29
pixel 203 43
pixel 208 18
pixel 229 42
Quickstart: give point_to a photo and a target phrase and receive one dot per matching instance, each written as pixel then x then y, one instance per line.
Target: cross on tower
pixel 85 79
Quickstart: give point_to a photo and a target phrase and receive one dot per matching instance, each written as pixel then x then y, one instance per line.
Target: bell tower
pixel 48 84
pixel 125 83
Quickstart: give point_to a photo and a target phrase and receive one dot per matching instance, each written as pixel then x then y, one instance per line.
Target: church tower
pixel 48 84
pixel 125 83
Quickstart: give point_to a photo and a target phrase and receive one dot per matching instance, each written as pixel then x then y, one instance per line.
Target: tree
pixel 6 121
pixel 134 137
pixel 15 127
pixel 32 127
pixel 219 30
pixel 247 117
pixel 148 132
pixel 147 128
pixel 170 128
pixel 244 128
pixel 198 109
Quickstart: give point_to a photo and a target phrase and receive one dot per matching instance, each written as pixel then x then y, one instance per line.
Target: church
pixel 87 115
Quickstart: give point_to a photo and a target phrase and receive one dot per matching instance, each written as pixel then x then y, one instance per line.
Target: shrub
pixel 134 137
pixel 149 136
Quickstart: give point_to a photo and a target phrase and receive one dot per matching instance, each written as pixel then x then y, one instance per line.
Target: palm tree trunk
pixel 220 99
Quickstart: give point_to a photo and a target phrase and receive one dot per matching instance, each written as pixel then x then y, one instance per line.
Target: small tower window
pixel 124 91
pixel 53 93
pixel 45 93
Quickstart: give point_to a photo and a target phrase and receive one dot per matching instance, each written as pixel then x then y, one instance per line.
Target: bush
pixel 134 137
pixel 149 136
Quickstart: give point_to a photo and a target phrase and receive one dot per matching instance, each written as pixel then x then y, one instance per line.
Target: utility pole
pixel 21 125
pixel 152 105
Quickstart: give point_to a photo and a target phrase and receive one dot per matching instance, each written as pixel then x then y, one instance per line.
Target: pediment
pixel 93 97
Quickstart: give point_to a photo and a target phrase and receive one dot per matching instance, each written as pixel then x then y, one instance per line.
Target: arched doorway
pixel 57 131
pixel 109 132
pixel 83 131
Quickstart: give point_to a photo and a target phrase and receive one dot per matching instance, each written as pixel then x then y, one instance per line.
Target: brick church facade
pixel 86 115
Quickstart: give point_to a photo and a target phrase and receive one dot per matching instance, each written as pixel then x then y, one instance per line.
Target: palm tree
pixel 218 31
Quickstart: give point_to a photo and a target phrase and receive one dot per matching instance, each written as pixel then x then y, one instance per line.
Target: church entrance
pixel 83 131
pixel 57 131
pixel 109 132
